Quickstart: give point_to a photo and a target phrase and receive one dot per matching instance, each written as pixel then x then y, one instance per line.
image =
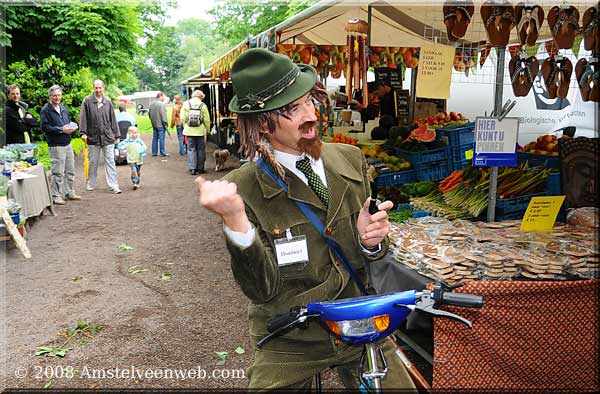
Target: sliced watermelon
pixel 423 134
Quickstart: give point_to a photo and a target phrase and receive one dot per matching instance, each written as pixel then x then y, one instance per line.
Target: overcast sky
pixel 190 9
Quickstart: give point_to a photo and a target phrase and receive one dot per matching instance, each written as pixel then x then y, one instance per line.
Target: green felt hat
pixel 264 81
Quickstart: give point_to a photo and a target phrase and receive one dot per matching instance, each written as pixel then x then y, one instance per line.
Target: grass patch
pixel 143 121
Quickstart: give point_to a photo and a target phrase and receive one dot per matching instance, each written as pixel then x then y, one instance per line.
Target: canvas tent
pixel 406 23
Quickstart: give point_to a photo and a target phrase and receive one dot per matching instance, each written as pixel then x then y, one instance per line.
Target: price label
pixel 541 213
pixel 469 154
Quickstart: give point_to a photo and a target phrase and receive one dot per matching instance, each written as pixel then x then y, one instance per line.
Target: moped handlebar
pixel 461 299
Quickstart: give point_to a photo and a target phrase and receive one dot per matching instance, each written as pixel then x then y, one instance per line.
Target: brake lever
pixel 427 305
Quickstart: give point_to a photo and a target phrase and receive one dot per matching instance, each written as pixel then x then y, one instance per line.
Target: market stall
pixel 32 192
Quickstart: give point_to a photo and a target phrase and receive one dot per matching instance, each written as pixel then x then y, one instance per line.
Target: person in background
pixel 196 135
pixel 385 93
pixel 176 122
pixel 124 115
pixel 136 150
pixel 57 126
pixel 275 102
pixel 18 119
pixel 98 127
pixel 158 117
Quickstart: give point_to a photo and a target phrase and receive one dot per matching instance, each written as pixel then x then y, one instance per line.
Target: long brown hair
pixel 251 126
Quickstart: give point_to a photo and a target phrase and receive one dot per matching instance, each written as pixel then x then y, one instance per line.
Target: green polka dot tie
pixel 314 181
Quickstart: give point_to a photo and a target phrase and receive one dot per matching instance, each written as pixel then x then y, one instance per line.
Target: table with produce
pixel 24 174
pixel 440 201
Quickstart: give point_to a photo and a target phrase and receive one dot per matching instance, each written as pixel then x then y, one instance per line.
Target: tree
pixel 237 19
pixel 103 38
pixel 166 58
pixel 199 45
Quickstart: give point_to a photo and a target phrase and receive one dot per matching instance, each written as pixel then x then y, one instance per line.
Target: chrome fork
pixel 374 374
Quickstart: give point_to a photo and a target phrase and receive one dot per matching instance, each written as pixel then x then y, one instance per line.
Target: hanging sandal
pixel 583 73
pixel 564 25
pixel 529 19
pixel 523 71
pixel 557 75
pixel 498 21
pixel 588 79
pixel 590 22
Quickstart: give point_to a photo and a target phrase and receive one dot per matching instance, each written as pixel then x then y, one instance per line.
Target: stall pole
pixel 413 95
pixel 498 93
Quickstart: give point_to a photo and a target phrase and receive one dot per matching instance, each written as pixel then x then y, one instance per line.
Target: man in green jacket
pixel 275 102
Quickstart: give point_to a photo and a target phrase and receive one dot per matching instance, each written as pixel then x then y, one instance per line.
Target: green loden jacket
pixel 300 353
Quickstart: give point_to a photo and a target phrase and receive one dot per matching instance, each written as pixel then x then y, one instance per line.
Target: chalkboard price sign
pixel 391 75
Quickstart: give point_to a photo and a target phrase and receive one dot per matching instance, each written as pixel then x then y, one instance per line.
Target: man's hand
pixel 221 197
pixel 372 229
pixel 117 140
pixel 84 137
pixel 67 130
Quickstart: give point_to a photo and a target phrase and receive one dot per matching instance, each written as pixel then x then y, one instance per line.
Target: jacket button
pixel 337 262
pixel 337 342
pixel 329 230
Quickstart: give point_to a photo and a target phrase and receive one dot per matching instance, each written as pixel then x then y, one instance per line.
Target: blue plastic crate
pixel 553 187
pixel 457 135
pixel 433 172
pixel 396 178
pixel 515 204
pixel 423 157
pixel 456 156
pixel 535 160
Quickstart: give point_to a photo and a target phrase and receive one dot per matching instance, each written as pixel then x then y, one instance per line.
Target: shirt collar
pixel 288 160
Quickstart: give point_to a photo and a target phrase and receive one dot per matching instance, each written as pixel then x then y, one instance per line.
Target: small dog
pixel 221 156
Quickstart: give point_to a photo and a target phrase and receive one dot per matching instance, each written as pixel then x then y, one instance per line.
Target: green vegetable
pixel 400 216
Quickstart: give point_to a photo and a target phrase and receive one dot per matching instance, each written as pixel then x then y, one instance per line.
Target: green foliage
pixel 78 145
pixel 34 78
pixel 167 58
pixel 236 20
pixel 102 38
pixel 199 45
pixel 44 155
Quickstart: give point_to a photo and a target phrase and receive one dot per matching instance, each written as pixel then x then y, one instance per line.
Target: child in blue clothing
pixel 136 150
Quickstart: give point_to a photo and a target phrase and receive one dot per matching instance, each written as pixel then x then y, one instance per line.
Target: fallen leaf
pixel 51 351
pixel 166 276
pixel 48 384
pixel 240 350
pixel 124 247
pixel 76 278
pixel 223 358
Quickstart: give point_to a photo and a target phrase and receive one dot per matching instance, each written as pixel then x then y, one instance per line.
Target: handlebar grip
pixel 462 299
pixel 281 320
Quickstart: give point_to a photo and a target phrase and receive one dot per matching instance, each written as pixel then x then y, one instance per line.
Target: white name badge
pixel 291 250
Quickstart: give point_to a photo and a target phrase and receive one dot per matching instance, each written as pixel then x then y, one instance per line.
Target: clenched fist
pixel 221 197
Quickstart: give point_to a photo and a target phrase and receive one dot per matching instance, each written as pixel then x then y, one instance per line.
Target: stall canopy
pixel 395 22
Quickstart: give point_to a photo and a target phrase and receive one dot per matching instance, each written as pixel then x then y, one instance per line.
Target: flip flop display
pixel 498 21
pixel 557 75
pixel 457 16
pixel 590 23
pixel 529 20
pixel 564 25
pixel 588 79
pixel 522 73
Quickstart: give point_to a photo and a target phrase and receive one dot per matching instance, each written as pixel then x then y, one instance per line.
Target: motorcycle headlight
pixel 357 328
